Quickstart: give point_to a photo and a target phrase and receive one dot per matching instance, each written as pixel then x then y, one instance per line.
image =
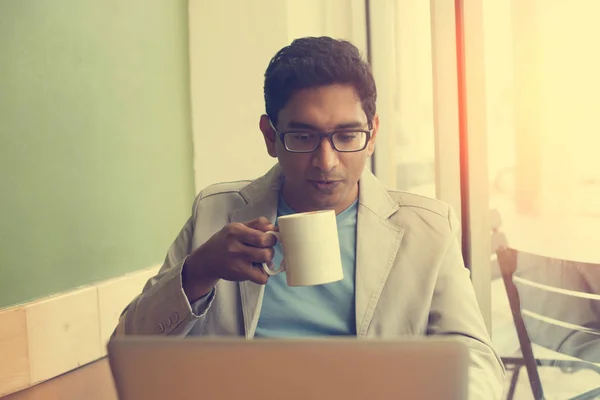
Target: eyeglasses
pixel 344 140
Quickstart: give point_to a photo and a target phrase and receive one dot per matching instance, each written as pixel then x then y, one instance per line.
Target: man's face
pixel 325 178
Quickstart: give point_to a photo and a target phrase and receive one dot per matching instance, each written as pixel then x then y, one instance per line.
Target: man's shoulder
pixel 420 203
pixel 236 188
pixel 223 188
pixel 415 209
pixel 220 197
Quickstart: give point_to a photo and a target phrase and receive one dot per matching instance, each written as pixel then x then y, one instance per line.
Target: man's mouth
pixel 324 185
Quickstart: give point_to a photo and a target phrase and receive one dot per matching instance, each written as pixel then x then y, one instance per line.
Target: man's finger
pixel 258 255
pixel 257 275
pixel 256 238
pixel 262 224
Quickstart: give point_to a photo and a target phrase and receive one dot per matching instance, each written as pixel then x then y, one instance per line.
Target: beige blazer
pixel 410 276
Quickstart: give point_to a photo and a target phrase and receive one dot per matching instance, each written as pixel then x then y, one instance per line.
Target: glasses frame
pixel 328 135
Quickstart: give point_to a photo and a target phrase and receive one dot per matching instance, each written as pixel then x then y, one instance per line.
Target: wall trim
pixel 55 334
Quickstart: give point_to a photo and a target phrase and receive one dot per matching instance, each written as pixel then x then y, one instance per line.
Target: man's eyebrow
pixel 310 127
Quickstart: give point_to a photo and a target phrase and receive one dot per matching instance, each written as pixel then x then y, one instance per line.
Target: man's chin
pixel 322 201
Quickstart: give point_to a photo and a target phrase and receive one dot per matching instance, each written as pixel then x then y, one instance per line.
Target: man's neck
pixel 292 200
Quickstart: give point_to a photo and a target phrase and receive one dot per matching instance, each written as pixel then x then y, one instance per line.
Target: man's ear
pixel 371 144
pixel 268 134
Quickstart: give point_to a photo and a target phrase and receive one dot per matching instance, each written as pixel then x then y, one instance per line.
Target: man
pixel 403 271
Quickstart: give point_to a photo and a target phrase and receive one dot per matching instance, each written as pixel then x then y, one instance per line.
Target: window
pixel 402 64
pixel 542 112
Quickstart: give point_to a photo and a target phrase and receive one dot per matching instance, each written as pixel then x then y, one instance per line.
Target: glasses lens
pixel 349 141
pixel 300 141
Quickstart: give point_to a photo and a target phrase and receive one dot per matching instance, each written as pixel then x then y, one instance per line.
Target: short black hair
pixel 317 61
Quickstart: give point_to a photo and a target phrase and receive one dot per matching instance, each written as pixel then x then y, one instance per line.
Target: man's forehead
pixel 343 92
pixel 329 107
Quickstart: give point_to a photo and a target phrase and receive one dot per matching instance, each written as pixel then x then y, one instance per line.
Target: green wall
pixel 96 174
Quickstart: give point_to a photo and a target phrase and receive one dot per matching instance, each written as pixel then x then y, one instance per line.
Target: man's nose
pixel 325 157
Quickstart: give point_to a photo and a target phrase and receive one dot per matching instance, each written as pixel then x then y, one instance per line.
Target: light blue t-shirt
pixel 322 310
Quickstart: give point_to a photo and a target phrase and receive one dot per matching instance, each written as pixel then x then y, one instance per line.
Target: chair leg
pixel 513 384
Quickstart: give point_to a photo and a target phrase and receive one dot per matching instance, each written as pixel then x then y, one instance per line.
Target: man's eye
pixel 303 137
pixel 348 136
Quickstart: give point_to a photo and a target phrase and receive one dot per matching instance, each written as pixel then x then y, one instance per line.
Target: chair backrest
pixel 560 303
pixel 507 261
pixel 555 304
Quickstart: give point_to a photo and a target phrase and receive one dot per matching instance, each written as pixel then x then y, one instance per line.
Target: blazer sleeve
pixel 455 312
pixel 163 308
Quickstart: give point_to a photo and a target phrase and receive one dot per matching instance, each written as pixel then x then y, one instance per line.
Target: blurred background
pixel 115 114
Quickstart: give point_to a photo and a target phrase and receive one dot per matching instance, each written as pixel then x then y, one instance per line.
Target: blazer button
pixel 168 323
pixel 175 317
pixel 160 328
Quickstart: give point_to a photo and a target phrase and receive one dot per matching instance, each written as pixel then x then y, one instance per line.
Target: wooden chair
pixel 535 321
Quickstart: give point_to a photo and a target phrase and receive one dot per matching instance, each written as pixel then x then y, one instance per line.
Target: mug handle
pixel 269 271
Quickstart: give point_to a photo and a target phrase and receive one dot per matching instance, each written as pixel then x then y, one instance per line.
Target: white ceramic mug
pixel 311 248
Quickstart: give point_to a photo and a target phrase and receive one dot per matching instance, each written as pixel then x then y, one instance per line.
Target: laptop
pixel 158 368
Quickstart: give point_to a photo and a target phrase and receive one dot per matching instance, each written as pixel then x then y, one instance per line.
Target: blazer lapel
pixel 261 198
pixel 377 245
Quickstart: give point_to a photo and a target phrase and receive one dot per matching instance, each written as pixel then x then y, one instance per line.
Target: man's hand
pixel 230 254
